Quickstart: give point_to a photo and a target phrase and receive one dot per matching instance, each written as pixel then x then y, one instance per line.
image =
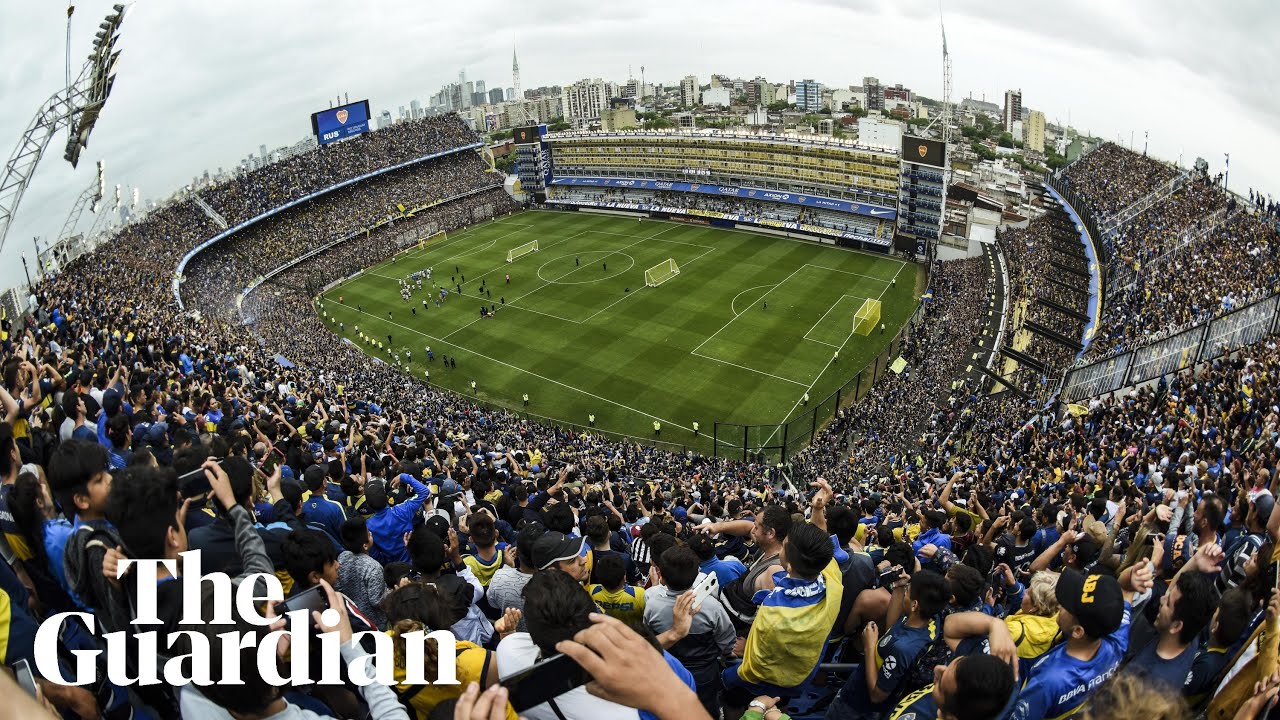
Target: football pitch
pixel 750 325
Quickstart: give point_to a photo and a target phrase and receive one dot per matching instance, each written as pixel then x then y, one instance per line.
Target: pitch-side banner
pixel 746 193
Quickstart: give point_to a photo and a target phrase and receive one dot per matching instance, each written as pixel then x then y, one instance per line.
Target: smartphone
pixel 708 586
pixel 312 599
pixel 543 681
pixel 271 461
pixel 888 577
pixel 194 483
pixel 24 676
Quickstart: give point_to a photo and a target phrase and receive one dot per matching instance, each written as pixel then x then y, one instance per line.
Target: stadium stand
pixel 931 527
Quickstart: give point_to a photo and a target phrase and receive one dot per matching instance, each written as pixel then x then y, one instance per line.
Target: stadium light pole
pixel 75 107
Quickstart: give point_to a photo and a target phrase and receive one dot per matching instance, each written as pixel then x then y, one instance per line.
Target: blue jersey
pixel 319 509
pixel 895 655
pixel 918 705
pixel 1059 683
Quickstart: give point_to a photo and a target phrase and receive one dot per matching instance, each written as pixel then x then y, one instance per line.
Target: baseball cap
pixel 553 547
pixel 158 432
pixel 313 476
pixel 437 525
pixel 1087 550
pixel 1095 601
pixel 1263 505
pixel 375 494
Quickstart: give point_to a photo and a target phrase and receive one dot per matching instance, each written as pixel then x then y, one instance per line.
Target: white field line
pixel 528 372
pixel 824 317
pixel 576 269
pixel 624 297
pixel 735 317
pixel 744 367
pixel 787 417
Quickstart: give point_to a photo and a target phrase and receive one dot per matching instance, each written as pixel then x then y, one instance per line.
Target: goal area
pixel 516 253
pixel 660 273
pixel 867 317
pixel 439 235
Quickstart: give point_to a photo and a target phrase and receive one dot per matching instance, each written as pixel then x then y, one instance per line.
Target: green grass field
pixel 581 333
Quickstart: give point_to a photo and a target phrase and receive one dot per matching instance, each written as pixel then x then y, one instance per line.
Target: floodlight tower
pixel 91 198
pixel 75 107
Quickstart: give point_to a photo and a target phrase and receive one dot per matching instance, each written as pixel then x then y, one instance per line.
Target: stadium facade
pixel 813 187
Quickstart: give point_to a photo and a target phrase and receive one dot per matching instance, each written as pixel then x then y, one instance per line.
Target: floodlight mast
pixel 75 107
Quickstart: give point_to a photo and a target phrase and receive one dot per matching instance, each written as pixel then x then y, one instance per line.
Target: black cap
pixel 375 495
pixel 554 547
pixel 437 525
pixel 313 476
pixel 1087 550
pixel 1095 601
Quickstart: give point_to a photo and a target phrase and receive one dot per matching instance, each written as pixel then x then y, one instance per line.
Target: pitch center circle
pixel 584 270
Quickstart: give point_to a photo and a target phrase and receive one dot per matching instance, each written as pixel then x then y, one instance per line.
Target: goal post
pixel 518 252
pixel 867 317
pixel 660 273
pixel 439 235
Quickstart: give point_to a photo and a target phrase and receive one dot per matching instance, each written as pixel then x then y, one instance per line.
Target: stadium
pixel 811 443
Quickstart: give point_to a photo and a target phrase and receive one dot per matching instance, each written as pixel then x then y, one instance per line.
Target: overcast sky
pixel 202 85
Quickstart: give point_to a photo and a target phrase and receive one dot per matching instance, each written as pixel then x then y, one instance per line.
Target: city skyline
pixel 184 96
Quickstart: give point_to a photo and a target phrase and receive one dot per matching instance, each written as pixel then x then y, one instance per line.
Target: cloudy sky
pixel 202 85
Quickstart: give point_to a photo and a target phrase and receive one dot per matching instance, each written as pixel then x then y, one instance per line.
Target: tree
pixel 1005 140
pixel 780 105
pixel 500 135
pixel 557 126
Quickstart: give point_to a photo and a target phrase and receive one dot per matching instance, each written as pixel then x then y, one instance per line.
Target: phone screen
pixel 270 462
pixel 544 681
pixel 313 599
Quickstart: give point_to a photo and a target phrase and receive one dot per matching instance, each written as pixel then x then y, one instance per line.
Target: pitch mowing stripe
pixel 672 423
pixel 630 351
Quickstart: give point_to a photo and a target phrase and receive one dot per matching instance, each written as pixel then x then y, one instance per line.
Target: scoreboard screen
pixel 340 122
pixel 924 151
pixel 525 135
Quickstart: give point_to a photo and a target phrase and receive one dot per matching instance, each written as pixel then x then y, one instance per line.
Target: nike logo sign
pixel 881 212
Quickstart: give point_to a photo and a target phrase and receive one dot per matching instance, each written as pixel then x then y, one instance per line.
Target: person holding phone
pixel 255 698
pixel 711 635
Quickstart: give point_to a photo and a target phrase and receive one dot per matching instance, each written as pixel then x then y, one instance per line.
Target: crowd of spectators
pixel 969 556
pixel 300 175
pixel 1049 278
pixel 1187 257
pixel 214 277
pixel 1111 178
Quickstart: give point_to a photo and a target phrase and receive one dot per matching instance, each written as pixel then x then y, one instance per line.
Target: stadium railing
pixel 1195 344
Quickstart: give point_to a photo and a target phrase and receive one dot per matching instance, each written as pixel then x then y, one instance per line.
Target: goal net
pixel 432 238
pixel 660 273
pixel 867 317
pixel 518 252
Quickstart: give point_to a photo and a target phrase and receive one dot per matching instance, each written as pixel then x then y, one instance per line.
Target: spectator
pixel 388 524
pixel 360 577
pixel 711 636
